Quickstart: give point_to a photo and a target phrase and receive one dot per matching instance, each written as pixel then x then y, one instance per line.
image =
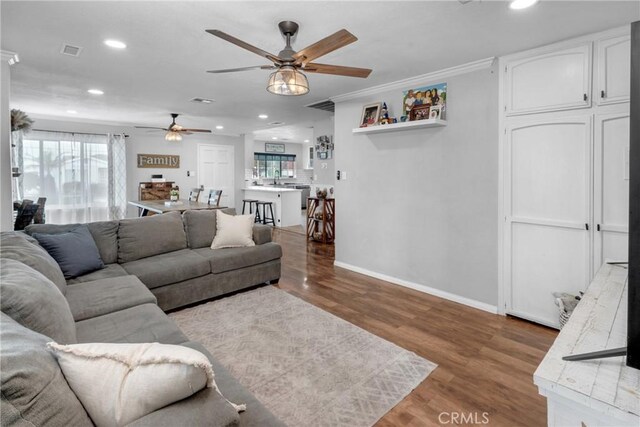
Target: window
pixel 267 165
pixel 75 173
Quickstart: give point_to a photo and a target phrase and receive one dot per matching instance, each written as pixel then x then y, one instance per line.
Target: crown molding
pixel 421 79
pixel 10 57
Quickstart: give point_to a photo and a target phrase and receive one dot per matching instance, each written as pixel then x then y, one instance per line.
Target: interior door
pixel 216 171
pixel 611 183
pixel 547 208
pixel 614 70
pixel 557 80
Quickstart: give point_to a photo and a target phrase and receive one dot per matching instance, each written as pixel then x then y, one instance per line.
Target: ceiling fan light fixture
pixel 288 81
pixel 173 136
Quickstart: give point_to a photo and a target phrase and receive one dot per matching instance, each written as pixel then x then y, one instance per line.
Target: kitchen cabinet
pixel 613 68
pixel 286 203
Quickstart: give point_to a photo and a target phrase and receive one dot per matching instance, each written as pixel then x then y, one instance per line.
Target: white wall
pixel 324 171
pixel 144 142
pixel 6 204
pixel 421 205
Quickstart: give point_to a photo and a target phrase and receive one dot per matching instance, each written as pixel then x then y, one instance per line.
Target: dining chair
pixel 214 197
pixel 39 217
pixel 194 194
pixel 25 214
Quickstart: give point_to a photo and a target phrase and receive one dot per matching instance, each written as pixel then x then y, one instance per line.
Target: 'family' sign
pixel 158 161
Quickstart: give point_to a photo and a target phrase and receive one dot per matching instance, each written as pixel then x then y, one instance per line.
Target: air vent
pixel 70 50
pixel 203 100
pixel 276 123
pixel 327 105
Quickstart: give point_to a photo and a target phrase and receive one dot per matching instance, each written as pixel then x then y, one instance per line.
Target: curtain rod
pixel 73 133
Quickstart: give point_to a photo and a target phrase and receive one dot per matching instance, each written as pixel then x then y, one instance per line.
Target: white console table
pixel 603 392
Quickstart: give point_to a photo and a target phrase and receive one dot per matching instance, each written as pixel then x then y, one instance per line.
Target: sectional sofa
pixel 152 264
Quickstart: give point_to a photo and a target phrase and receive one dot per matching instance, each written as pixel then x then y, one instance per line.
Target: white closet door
pixel 614 70
pixel 557 80
pixel 547 241
pixel 611 183
pixel 216 171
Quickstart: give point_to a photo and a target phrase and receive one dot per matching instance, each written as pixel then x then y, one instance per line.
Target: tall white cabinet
pixel 564 175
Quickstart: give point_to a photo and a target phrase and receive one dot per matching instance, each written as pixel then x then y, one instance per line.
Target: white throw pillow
pixel 119 383
pixel 233 231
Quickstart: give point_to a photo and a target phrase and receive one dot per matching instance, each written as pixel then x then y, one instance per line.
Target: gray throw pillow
pixel 150 235
pixel 32 300
pixel 75 252
pixel 34 390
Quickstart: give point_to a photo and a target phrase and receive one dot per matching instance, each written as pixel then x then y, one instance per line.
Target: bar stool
pixel 251 203
pixel 266 220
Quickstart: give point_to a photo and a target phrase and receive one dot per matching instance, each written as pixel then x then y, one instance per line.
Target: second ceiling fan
pixel 288 78
pixel 174 130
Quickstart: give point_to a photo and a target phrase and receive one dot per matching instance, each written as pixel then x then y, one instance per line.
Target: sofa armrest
pixel 261 234
pixel 205 408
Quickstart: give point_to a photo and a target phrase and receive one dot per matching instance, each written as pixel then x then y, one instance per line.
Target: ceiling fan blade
pixel 338 70
pixel 224 36
pixel 195 130
pixel 150 127
pixel 233 70
pixel 324 46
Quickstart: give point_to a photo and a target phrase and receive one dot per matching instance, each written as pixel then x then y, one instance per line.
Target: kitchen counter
pixel 286 203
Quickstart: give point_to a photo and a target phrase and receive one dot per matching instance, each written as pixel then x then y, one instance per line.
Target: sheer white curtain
pixel 74 172
pixel 117 177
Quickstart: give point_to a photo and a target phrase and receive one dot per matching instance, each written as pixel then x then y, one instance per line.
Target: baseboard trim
pixel 421 288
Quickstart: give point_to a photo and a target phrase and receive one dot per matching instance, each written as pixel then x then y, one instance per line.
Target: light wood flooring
pixel 486 362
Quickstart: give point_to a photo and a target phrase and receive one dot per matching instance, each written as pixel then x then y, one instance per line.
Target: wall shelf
pixel 430 123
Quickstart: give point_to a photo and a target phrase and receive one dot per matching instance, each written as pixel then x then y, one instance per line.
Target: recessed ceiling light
pixel 219 127
pixel 306 140
pixel 522 4
pixel 95 92
pixel 116 44
pixel 72 112
pixel 263 116
pixel 274 137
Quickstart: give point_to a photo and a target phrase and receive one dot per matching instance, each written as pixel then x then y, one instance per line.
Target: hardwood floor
pixel 486 362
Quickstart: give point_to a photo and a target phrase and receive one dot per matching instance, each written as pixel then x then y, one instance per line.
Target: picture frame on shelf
pixel 274 147
pixel 419 112
pixel 370 114
pixel 432 95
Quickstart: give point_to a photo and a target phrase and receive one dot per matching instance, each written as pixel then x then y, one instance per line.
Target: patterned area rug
pixel 307 366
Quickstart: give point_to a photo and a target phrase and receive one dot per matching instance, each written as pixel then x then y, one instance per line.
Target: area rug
pixel 309 367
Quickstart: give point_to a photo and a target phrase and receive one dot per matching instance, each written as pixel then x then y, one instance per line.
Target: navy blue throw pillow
pixel 76 251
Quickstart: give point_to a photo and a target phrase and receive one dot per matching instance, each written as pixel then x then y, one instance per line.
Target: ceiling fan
pixel 288 78
pixel 175 131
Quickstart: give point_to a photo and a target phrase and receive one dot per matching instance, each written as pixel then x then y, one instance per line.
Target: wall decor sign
pixel 434 95
pixel 273 147
pixel 165 161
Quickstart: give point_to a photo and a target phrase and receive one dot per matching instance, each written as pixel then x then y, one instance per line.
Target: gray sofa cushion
pixel 105 234
pixel 256 414
pixel 32 300
pixel 142 323
pixel 75 252
pixel 144 237
pixel 235 258
pixel 168 268
pixel 106 296
pixel 109 271
pixel 21 247
pixel 34 391
pixel 200 226
pixel 205 408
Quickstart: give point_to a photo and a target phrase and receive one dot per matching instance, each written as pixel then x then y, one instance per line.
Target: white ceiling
pixel 168 52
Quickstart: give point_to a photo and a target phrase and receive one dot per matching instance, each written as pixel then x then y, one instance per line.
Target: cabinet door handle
pixel 584 97
pixel 602 94
pixel 598 227
pixel 586 226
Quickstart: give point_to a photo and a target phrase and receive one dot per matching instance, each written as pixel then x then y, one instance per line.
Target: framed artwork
pixel 419 112
pixel 434 95
pixel 273 147
pixel 324 146
pixel 370 114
